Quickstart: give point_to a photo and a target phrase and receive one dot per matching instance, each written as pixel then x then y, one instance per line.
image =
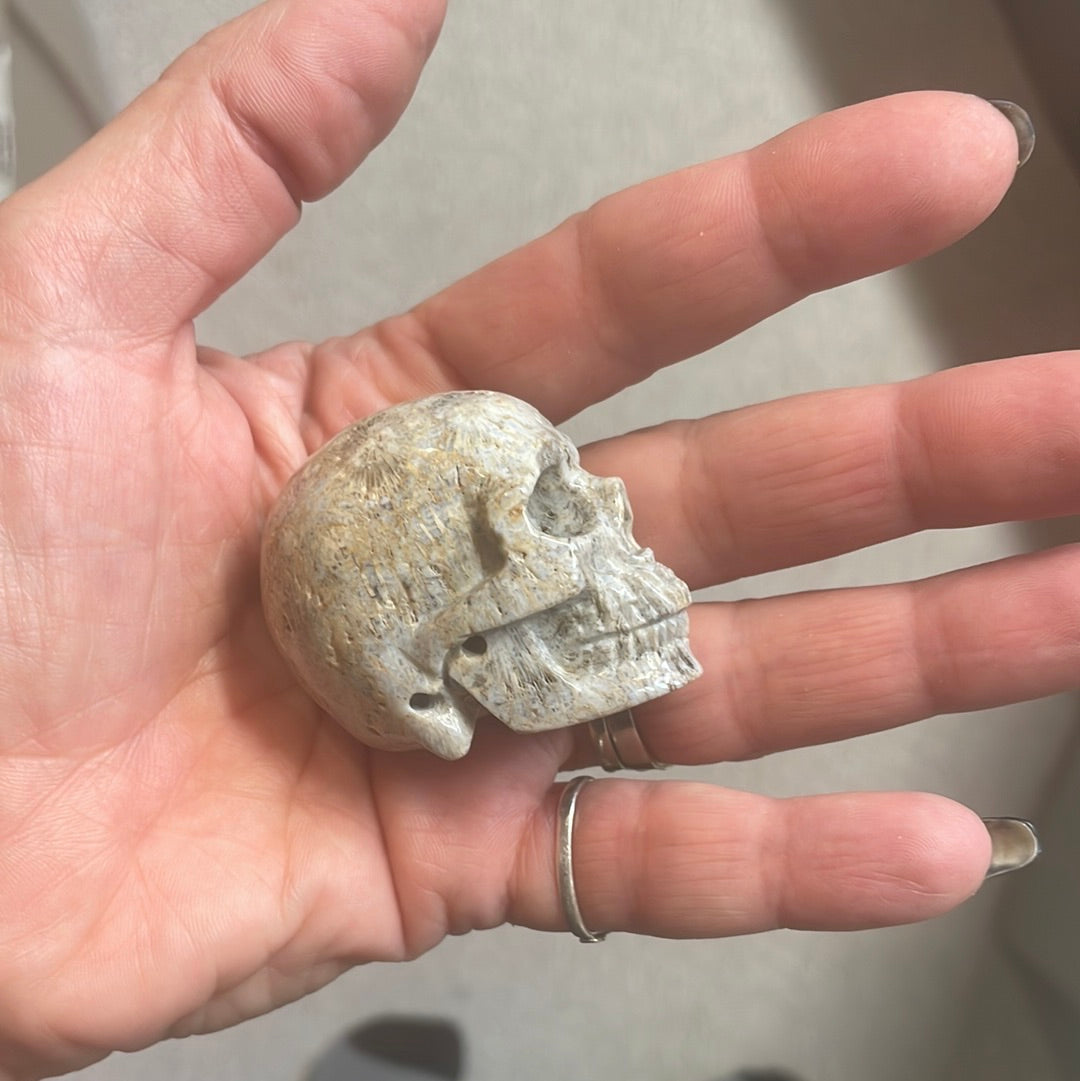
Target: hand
pixel 186 840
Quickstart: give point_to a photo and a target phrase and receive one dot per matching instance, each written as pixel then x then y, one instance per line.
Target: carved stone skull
pixel 450 556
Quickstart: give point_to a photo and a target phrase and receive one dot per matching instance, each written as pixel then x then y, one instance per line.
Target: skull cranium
pixel 450 556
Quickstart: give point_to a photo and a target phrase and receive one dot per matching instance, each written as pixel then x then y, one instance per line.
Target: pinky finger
pixel 682 860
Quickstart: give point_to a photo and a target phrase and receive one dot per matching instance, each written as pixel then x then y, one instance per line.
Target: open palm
pixel 186 840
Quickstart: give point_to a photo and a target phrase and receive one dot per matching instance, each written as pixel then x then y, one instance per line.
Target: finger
pixel 669 268
pixel 690 861
pixel 198 178
pixel 804 478
pixel 816 667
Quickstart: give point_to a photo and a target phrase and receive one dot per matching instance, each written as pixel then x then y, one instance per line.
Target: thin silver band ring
pixel 619 744
pixel 605 745
pixel 565 860
pixel 630 749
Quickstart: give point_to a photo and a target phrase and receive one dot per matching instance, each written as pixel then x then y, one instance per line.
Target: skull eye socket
pixel 475 646
pixel 556 509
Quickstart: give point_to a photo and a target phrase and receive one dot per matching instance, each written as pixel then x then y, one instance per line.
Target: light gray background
pixel 528 112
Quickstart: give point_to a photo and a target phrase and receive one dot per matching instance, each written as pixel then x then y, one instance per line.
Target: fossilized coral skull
pixel 449 556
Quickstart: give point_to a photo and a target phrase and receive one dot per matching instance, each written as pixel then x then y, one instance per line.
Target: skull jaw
pixel 524 684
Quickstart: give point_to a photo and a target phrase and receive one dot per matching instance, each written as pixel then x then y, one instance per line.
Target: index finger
pixel 671 267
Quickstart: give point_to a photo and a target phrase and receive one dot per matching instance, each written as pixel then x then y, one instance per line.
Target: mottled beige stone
pixel 450 556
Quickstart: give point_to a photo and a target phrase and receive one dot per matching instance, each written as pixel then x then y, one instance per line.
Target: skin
pixel 185 841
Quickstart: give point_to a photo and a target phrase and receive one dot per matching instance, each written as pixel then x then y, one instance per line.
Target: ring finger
pixel 816 667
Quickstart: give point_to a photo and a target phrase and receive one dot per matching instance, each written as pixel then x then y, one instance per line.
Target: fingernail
pixel 1021 122
pixel 1014 844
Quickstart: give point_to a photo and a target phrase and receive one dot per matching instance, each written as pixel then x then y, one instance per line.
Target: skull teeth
pixel 640 641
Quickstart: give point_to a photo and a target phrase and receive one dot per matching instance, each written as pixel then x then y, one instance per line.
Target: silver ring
pixel 619 744
pixel 565 860
pixel 605 745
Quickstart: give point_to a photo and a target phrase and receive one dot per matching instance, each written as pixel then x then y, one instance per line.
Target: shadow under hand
pixel 393 1049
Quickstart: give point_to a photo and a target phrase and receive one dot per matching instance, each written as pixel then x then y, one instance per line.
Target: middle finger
pixel 809 477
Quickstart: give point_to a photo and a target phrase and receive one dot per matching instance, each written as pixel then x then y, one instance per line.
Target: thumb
pixel 194 182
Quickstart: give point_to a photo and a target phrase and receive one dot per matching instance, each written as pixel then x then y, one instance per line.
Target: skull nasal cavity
pixel 558 510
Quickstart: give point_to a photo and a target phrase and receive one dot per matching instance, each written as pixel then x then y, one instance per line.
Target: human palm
pixel 187 840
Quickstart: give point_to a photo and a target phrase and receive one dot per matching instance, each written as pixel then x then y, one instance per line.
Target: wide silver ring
pixel 619 744
pixel 564 860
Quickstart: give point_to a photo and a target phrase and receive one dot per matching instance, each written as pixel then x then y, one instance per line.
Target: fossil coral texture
pixel 450 556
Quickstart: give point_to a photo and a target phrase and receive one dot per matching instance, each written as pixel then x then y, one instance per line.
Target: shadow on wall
pixel 1010 287
pixel 1046 32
